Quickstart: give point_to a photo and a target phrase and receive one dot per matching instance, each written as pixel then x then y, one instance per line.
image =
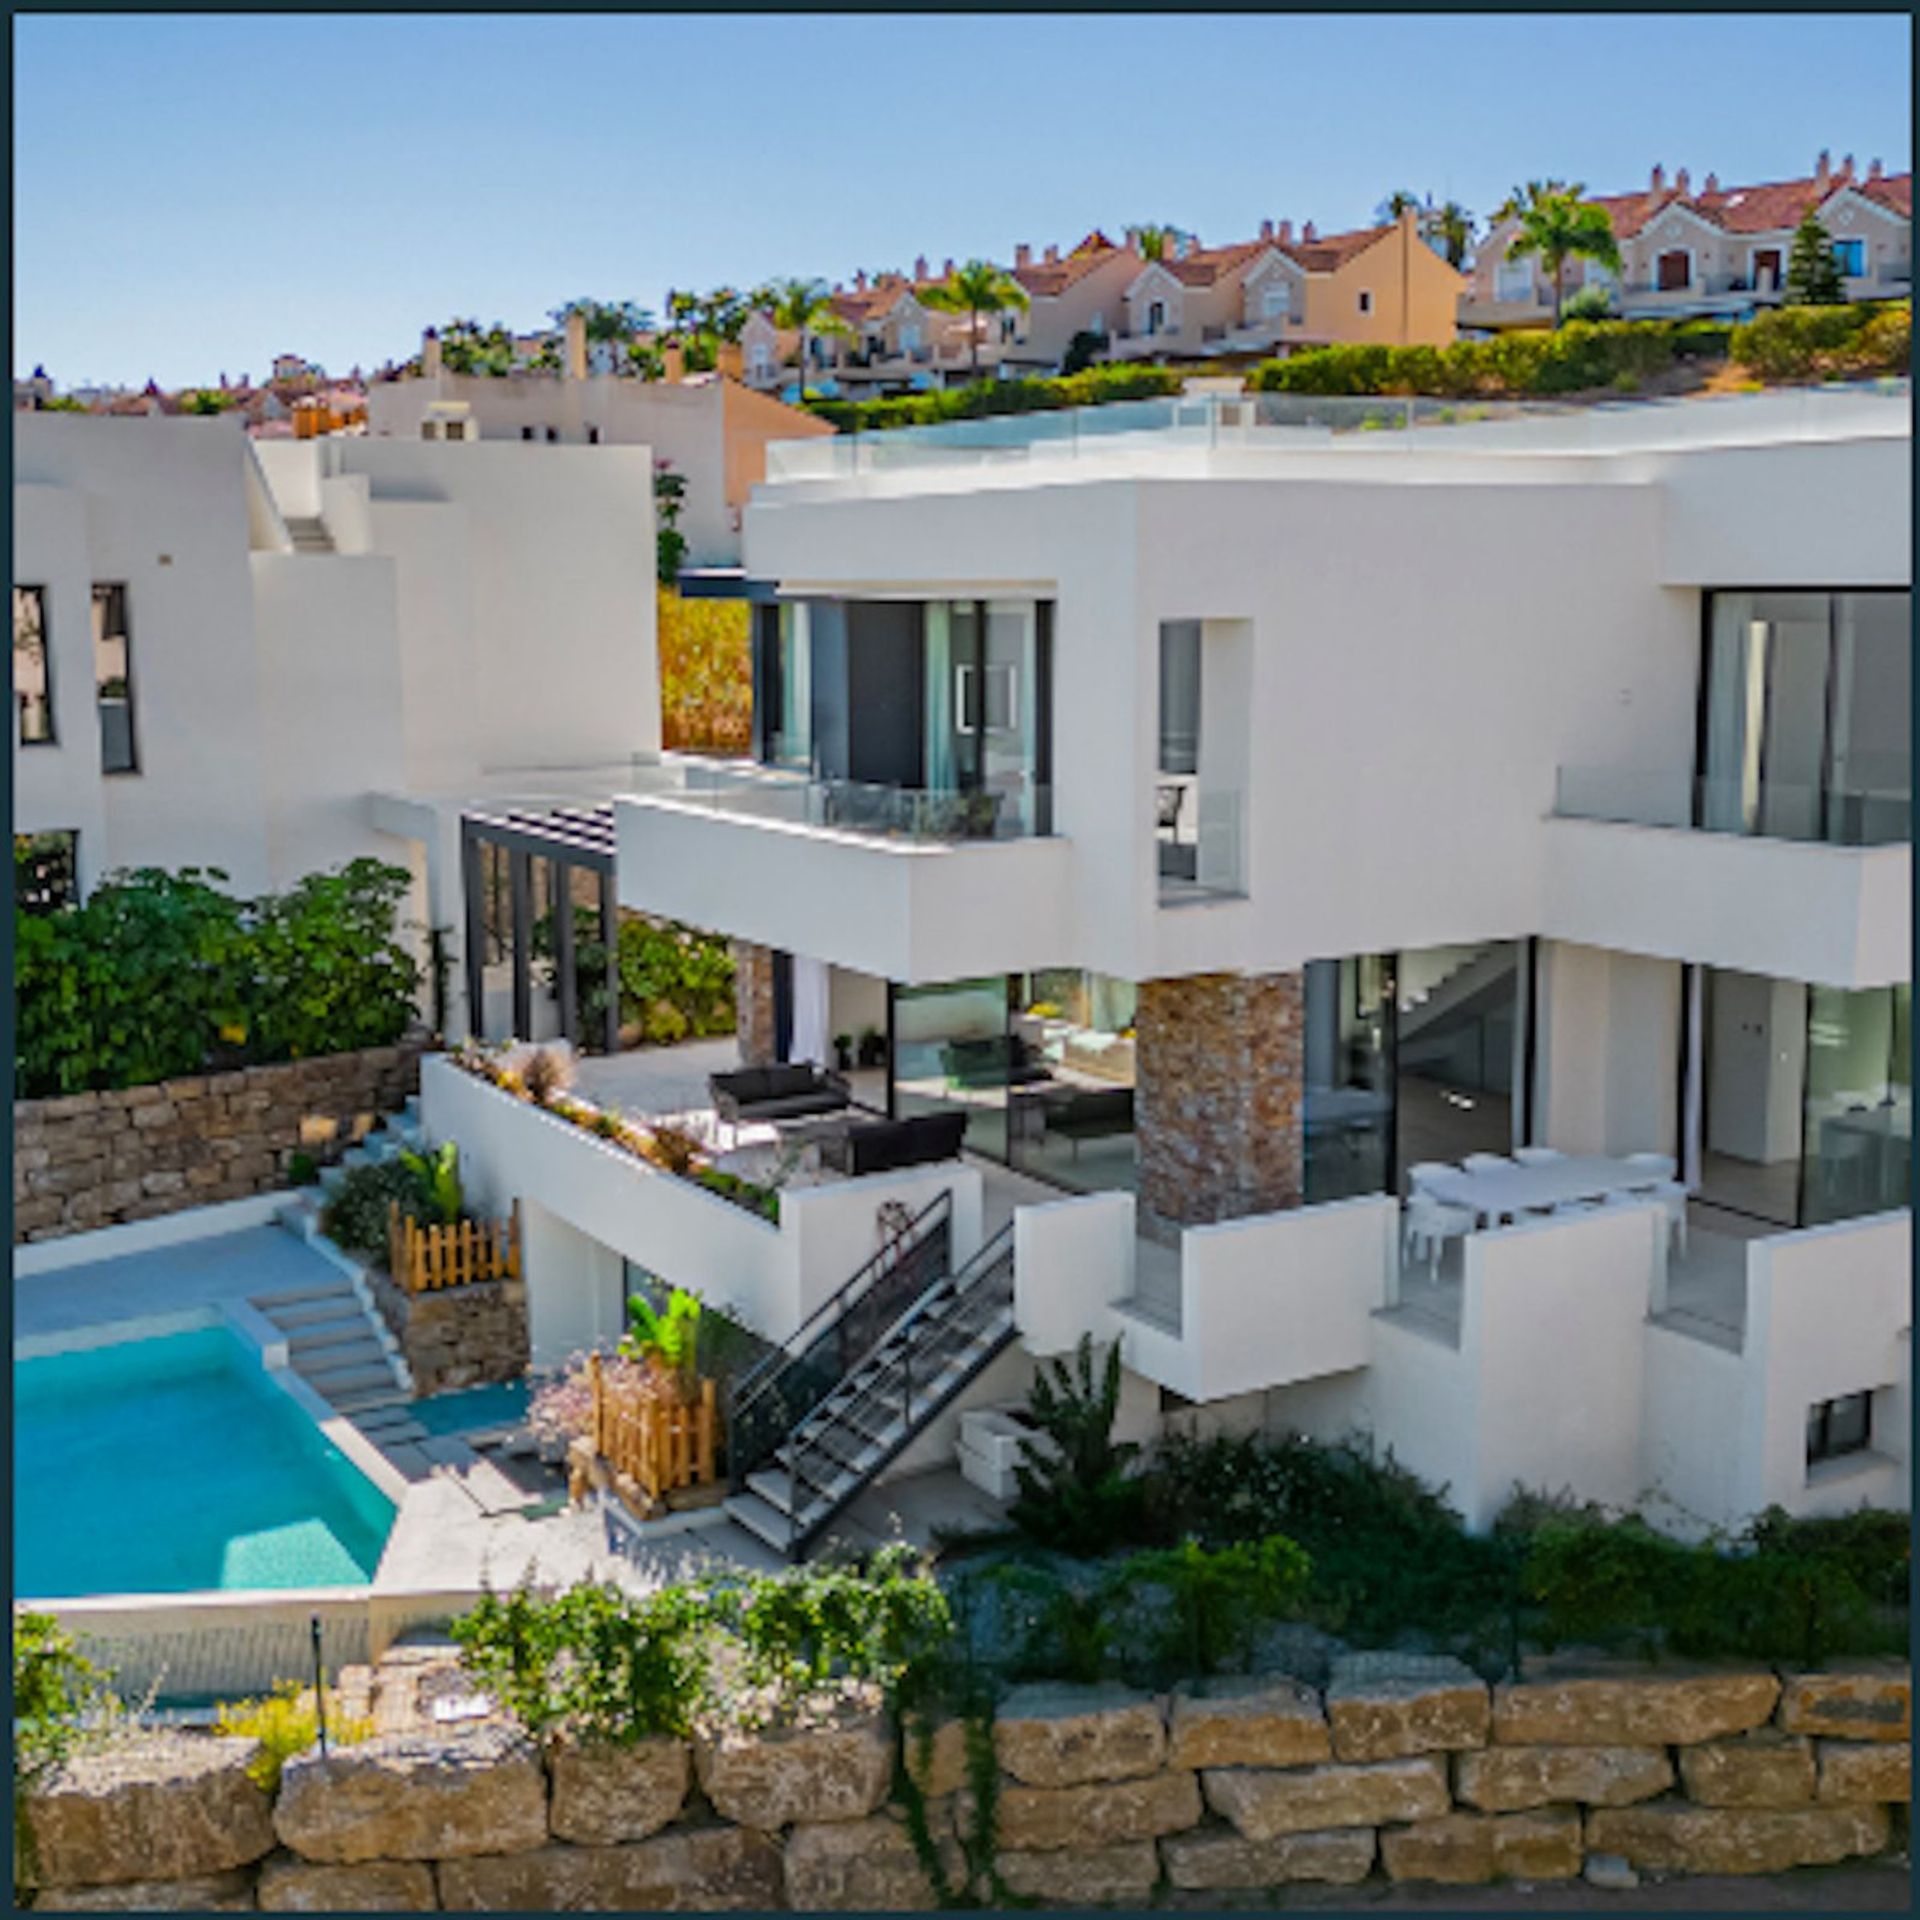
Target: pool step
pixel 319 1336
pixel 301 1303
pixel 367 1399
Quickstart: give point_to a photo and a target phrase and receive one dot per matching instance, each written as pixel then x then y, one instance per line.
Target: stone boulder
pixel 1260 1720
pixel 855 1866
pixel 1672 1836
pixel 415 1797
pixel 1764 1768
pixel 1865 1770
pixel 936 1760
pixel 154 1807
pixel 367 1886
pixel 1263 1805
pixel 1218 1860
pixel 1103 1813
pixel 694 1870
pixel 1121 1875
pixel 1861 1700
pixel 841 1769
pixel 1598 1708
pixel 1511 1779
pixel 229 1892
pixel 1384 1706
pixel 1464 1849
pixel 603 1794
pixel 1062 1736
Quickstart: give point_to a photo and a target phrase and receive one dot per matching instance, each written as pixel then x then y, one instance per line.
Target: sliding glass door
pixel 1858 1125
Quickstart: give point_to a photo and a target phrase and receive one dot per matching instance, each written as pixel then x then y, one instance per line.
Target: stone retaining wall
pixel 469 1336
pixel 1399 1769
pixel 88 1160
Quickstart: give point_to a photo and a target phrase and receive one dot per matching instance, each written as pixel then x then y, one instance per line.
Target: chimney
pixel 946 268
pixel 1266 229
pixel 429 355
pixel 1307 232
pixel 1682 185
pixel 576 358
pixel 1023 255
pixel 839 286
pixel 1284 233
pixel 919 266
pixel 1409 221
pixel 1846 168
pixel 1712 184
pixel 674 368
pixel 860 281
pixel 1658 182
pixel 1822 171
pixel 1873 170
pixel 1052 256
pixel 1132 242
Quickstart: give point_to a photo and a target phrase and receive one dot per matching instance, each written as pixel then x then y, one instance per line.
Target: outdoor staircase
pixel 309 534
pixel 338 1341
pixel 816 1423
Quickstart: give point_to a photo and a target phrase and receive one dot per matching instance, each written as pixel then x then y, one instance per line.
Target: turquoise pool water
pixel 172 1465
pixel 473 1407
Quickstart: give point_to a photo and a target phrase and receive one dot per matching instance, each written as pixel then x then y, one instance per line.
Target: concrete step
pixel 302 1296
pixel 317 1313
pixel 368 1399
pixel 361 1369
pixel 765 1523
pixel 323 1336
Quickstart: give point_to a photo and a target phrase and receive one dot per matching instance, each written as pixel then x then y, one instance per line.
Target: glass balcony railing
pixel 1653 797
pixel 1014 808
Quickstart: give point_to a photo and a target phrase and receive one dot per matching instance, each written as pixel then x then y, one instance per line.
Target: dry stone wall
pixel 87 1160
pixel 467 1336
pixel 753 1004
pixel 1399 1770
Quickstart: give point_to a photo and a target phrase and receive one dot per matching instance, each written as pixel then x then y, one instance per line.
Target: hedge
pixel 162 974
pixel 1095 386
pixel 1802 343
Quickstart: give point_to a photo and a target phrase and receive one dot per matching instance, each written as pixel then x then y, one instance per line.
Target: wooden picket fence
pixel 423 1259
pixel 662 1444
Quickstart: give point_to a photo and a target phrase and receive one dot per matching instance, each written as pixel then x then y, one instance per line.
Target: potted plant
pixel 873 1048
pixel 843 1052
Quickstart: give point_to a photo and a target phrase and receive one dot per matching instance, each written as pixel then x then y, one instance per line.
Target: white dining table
pixel 1511 1191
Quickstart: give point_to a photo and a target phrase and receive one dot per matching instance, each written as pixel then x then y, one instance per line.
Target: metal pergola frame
pixel 571 837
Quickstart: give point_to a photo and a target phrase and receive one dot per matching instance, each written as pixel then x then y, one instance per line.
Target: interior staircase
pixel 309 534
pixel 338 1341
pixel 814 1425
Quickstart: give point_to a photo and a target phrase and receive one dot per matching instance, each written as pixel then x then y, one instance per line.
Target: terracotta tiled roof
pixel 1774 206
pixel 1051 277
pixel 1204 265
pixel 1327 251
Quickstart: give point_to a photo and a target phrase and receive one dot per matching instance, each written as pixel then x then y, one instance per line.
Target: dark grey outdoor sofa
pixel 777 1093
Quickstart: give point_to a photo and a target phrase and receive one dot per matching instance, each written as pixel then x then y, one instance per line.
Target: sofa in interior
pixel 1093 1113
pixel 1002 1060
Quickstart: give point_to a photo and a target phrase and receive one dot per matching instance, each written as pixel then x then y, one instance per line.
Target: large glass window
pixel 954 1051
pixel 1753 1061
pixel 792 743
pixel 1858 1127
pixel 113 670
pixel 1349 1102
pixel 1806 725
pixel 32 668
pixel 1073 1122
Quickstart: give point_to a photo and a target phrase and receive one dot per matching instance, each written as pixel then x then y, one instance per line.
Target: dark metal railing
pixel 768 1401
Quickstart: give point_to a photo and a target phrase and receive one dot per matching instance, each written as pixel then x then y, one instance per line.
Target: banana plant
pixel 438 1174
pixel 665 1337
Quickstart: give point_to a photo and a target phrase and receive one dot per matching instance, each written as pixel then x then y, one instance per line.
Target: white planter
pixel 992 1440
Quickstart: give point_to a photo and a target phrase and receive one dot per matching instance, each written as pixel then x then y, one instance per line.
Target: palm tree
pixel 1521 198
pixel 1558 228
pixel 976 288
pixel 804 307
pixel 1399 201
pixel 1155 241
pixel 1452 225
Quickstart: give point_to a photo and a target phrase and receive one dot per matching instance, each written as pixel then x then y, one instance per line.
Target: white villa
pixel 1407 932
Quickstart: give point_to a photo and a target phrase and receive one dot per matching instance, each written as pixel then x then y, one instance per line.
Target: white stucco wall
pixel 1607 1051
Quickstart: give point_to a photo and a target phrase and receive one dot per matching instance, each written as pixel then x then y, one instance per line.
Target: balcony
pixel 1787 882
pixel 902 883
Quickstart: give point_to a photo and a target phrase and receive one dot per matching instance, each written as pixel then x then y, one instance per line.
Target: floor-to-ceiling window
pixel 1349 1076
pixel 953 1052
pixel 1858 1126
pixel 1753 1060
pixel 1072 1121
pixel 1805 716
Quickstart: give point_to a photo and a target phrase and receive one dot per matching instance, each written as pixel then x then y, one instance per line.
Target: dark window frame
pixel 102 588
pixel 1832 1432
pixel 51 738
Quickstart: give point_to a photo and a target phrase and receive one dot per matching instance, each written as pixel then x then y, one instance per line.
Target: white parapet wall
pixel 1544 1388
pixel 587 1205
pixel 1072 1259
pixel 1273 1300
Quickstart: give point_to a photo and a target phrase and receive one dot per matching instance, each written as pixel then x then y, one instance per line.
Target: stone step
pixel 302 1296
pixel 764 1522
pixel 357 1372
pixel 320 1336
pixel 316 1313
pixel 367 1399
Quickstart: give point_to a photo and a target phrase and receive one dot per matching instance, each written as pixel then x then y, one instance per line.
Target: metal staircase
pixel 812 1426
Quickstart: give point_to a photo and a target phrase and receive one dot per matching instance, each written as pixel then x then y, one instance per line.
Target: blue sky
pixel 193 195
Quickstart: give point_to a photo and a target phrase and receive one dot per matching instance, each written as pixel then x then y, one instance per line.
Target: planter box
pixel 992 1441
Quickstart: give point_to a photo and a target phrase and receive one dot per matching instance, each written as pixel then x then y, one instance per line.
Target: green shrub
pixel 674 980
pixel 286 1723
pixel 358 1213
pixel 57 1690
pixel 1217 1599
pixel 163 974
pixel 1080 1494
pixel 1805 343
pixel 1091 387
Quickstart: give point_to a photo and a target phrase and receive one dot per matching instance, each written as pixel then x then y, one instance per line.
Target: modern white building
pixel 1241 822
pixel 268 657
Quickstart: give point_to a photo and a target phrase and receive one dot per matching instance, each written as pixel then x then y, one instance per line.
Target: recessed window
pixel 1673 270
pixel 113 679
pixel 526 433
pixel 32 668
pixel 1836 1428
pixel 1366 301
pixel 1851 256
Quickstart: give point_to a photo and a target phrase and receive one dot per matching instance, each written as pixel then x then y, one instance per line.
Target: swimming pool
pixel 468 1409
pixel 172 1465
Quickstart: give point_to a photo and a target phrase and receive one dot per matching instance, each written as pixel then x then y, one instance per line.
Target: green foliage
pixel 1082 351
pixel 976 288
pixel 674 980
pixel 1814 342
pixel 1587 303
pixel 1079 1494
pixel 1813 269
pixel 1094 386
pixel 665 1337
pixel 1217 1597
pixel 286 1723
pixel 1559 226
pixel 56 1692
pixel 437 1174
pixel 302 1170
pixel 670 544
pixel 358 1214
pixel 163 974
pixel 750 1194
pixel 592 1662
pixel 468 347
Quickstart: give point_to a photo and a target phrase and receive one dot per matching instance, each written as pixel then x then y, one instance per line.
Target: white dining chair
pixel 1537 1156
pixel 1430 1225
pixel 1487 1163
pixel 1423 1173
pixel 1657 1166
pixel 1670 1195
